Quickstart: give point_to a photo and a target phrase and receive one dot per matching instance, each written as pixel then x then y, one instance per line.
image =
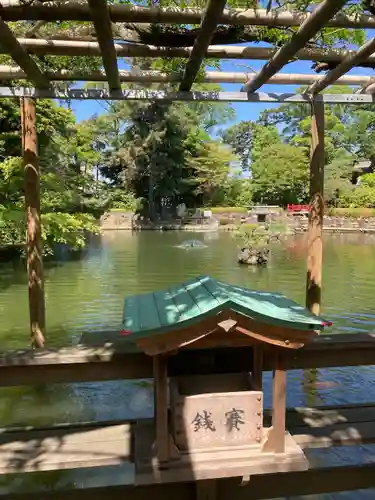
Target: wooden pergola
pixel 105 16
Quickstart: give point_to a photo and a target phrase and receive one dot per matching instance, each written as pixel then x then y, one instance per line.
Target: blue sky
pixel 244 111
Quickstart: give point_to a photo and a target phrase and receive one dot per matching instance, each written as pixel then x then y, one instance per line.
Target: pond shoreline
pixel 124 221
pixel 200 229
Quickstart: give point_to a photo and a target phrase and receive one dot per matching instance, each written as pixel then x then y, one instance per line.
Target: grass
pixel 356 212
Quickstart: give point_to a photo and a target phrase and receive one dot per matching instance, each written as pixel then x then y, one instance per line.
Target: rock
pixel 253 257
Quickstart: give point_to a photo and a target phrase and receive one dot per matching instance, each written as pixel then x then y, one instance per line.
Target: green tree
pixel 240 138
pixel 236 191
pixel 248 139
pixel 349 136
pixel 280 175
pixel 63 184
pixel 295 123
pixel 211 169
pixel 157 152
pixel 337 178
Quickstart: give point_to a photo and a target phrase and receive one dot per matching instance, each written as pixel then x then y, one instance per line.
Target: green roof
pixel 189 303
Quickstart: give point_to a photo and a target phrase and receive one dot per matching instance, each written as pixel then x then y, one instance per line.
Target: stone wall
pixel 116 220
pixel 298 223
pixel 334 223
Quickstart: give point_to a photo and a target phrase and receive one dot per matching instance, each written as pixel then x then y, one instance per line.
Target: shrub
pixel 248 227
pixel 358 197
pixel 68 229
pixel 225 221
pixel 123 201
pixel 351 212
pixel 228 210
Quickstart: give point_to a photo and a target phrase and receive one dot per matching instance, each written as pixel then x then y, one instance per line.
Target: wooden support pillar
pixel 207 490
pixel 278 406
pixel 316 211
pixel 276 437
pixel 161 407
pixel 33 229
pixel 258 366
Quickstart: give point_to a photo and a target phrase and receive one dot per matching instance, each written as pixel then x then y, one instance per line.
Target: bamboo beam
pixel 346 65
pixel 15 10
pixel 33 229
pixel 102 23
pixel 16 73
pixel 366 88
pixel 316 210
pixel 85 48
pixel 210 20
pixel 164 96
pixel 370 89
pixel 12 47
pixel 308 29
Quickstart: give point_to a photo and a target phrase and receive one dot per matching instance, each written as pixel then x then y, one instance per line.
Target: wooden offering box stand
pixel 211 426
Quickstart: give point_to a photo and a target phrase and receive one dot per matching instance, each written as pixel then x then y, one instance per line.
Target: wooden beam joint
pixel 211 18
pixel 308 29
pixel 102 22
pixel 14 49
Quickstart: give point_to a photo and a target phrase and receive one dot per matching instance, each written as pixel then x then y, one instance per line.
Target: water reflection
pixel 87 296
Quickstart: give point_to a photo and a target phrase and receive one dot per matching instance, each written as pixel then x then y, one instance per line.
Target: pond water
pixel 87 295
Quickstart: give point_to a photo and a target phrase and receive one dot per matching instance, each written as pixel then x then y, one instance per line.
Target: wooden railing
pixel 116 361
pixel 349 425
pixel 297 208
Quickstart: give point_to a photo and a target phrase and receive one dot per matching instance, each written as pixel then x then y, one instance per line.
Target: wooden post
pixel 33 230
pixel 207 490
pixel 161 407
pixel 316 211
pixel 275 441
pixel 257 366
pixel 278 406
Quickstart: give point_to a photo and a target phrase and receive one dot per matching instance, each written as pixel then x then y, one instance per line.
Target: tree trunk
pixel 151 190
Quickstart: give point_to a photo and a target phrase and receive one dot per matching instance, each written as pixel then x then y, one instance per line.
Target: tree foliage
pixel 155 156
pixel 180 35
pixel 163 153
pixel 66 162
pixel 275 152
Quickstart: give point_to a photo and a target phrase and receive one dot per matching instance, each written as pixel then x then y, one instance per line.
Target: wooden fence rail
pixel 350 425
pixel 83 364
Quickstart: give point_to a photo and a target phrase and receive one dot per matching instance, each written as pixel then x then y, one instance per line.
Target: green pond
pixel 84 299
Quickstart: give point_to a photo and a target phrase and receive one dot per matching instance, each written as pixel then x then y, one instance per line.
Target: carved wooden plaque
pixel 217 419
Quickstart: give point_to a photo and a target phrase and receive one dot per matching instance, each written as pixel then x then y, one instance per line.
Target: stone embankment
pixel 116 220
pixel 121 220
pixel 126 221
pixel 336 224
